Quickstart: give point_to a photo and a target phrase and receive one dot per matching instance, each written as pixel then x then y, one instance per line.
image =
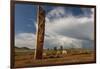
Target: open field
pixel 26 59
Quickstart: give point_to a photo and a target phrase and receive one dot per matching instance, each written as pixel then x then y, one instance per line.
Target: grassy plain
pixel 26 58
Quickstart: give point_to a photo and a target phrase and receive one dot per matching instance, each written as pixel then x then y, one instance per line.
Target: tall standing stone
pixel 40 33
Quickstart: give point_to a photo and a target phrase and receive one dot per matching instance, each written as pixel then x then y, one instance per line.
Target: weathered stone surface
pixel 40 33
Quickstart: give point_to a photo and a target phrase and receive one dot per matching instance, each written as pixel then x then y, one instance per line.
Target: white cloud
pixel 25 40
pixel 56 12
pixel 64 41
pixel 81 28
pixel 68 31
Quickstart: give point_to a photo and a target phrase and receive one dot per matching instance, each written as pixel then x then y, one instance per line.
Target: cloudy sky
pixel 71 27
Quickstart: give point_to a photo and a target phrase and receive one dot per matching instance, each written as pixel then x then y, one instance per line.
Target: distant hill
pixel 22 49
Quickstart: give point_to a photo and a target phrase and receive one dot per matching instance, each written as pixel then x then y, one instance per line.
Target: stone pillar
pixel 40 33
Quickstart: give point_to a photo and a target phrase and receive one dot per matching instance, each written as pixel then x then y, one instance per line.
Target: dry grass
pixel 27 59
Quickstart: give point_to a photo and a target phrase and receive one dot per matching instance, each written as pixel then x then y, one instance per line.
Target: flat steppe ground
pixel 26 59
